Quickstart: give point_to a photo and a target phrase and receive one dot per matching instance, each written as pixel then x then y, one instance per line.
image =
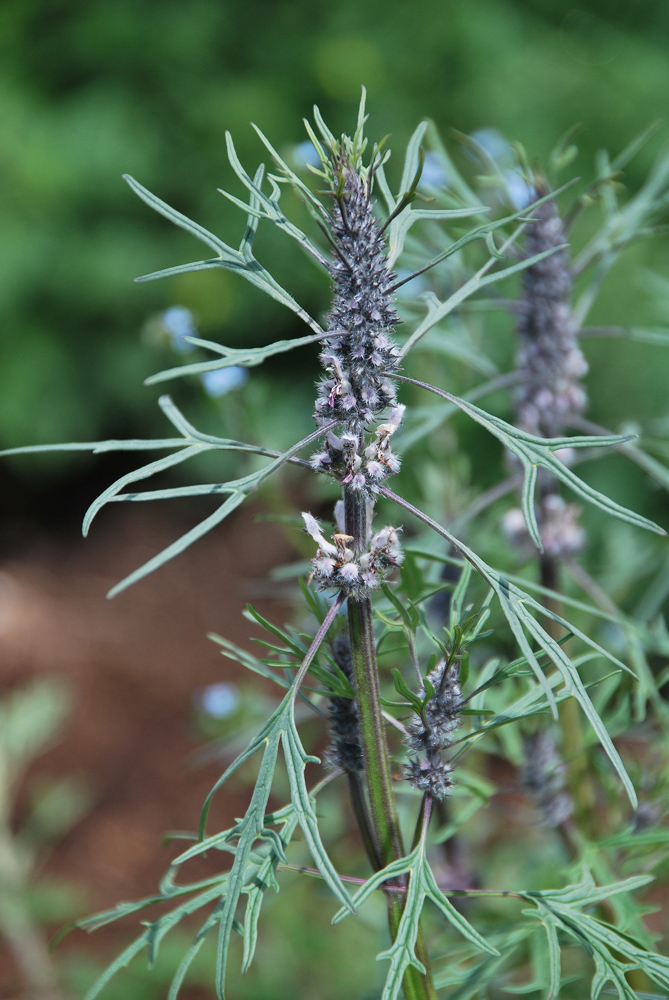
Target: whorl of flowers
pixel 365 468
pixel 549 358
pixel 344 750
pixel 430 733
pixel 337 565
pixel 543 778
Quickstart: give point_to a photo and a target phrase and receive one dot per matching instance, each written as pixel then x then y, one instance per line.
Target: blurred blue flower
pixel 306 152
pixel 519 192
pixel 434 175
pixel 492 142
pixel 218 700
pixel 178 322
pixel 221 380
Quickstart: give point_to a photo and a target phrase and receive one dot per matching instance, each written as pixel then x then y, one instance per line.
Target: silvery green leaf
pixel 434 416
pixel 226 508
pixel 484 232
pixel 245 356
pixel 513 602
pixel 121 962
pixel 439 310
pixel 96 447
pixel 296 760
pixel 153 468
pixel 242 260
pixel 241 656
pixel 298 185
pixel 238 489
pixel 264 206
pixel 534 451
pixel 264 878
pixel 421 886
pixel 153 934
pixel 250 829
pixel 455 342
pixel 614 953
pixel 652 336
pixel 189 956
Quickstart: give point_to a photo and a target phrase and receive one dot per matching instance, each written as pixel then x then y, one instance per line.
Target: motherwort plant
pixel 362 588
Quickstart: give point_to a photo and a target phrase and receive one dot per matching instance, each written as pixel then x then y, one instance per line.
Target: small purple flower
pixel 349 572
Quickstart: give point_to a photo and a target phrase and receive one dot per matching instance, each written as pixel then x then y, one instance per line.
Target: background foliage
pixel 90 91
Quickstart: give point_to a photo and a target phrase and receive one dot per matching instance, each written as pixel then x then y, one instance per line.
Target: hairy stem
pixel 385 828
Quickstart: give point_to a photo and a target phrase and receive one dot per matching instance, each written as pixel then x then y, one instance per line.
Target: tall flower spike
pixel 543 778
pixel 359 357
pixel 549 358
pixel 551 365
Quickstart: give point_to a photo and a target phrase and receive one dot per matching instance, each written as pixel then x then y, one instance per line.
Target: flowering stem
pixel 385 830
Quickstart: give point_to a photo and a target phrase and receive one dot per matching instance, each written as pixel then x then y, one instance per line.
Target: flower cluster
pixel 549 359
pixel 360 355
pixel 543 778
pixel 344 750
pixel 364 471
pixel 337 565
pixel 430 733
pixel 561 534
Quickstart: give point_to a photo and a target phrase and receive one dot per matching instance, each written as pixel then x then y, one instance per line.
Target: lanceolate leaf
pixel 534 452
pixel 245 356
pixel 436 310
pixel 264 206
pixel 614 954
pixel 241 260
pixel 484 232
pixel 251 873
pixel 514 603
pixel 238 489
pixel 421 886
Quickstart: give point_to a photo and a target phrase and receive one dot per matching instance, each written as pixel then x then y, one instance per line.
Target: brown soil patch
pixel 133 665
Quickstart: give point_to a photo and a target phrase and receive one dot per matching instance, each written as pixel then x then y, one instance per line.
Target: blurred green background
pixel 91 90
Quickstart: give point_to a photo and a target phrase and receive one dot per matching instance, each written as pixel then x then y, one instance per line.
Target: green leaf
pixel 263 206
pixel 180 545
pixel 152 469
pixel 535 452
pixel 614 953
pixel 264 878
pixel 312 203
pixel 238 489
pixel 437 311
pixel 250 829
pixel 514 603
pixel 405 691
pixel 421 886
pixel 246 356
pixel 241 260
